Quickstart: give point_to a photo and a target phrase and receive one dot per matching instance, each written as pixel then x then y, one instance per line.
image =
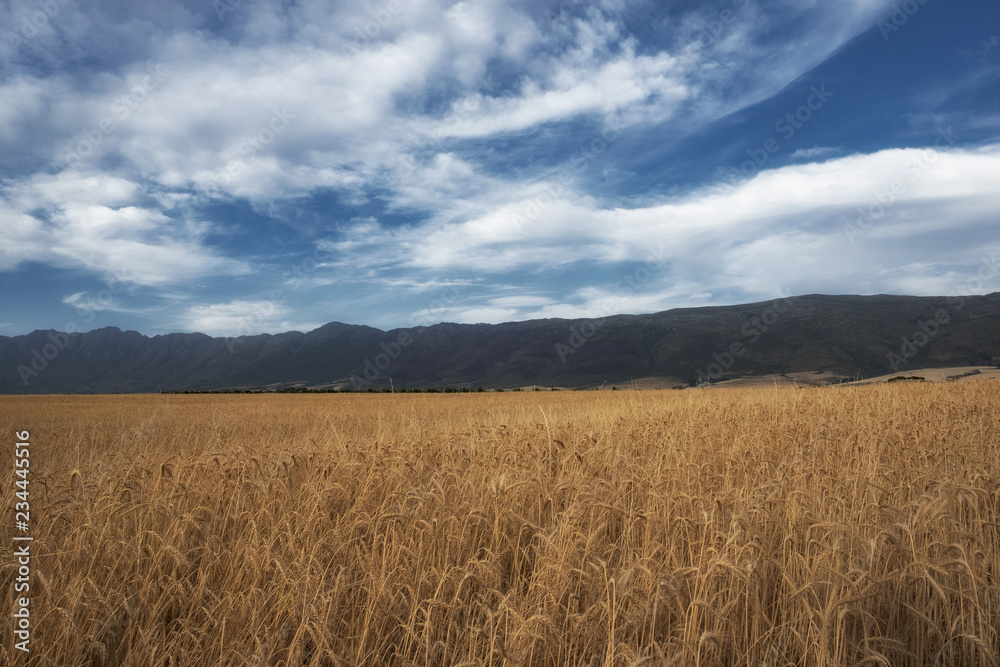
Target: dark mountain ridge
pixel 843 336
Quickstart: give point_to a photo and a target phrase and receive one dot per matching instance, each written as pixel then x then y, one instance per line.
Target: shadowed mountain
pixel 844 336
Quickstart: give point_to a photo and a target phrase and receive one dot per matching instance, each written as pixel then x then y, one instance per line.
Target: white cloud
pixel 620 297
pixel 815 152
pixel 83 301
pixel 23 99
pixel 76 188
pixel 521 301
pixel 242 318
pixel 288 101
pixel 649 87
pixel 102 224
pixel 360 100
pixel 485 315
pixel 87 303
pixel 799 228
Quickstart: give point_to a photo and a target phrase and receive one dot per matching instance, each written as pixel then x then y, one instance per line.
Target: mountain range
pixel 834 337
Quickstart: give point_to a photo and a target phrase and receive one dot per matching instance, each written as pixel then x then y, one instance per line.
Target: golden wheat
pixel 839 526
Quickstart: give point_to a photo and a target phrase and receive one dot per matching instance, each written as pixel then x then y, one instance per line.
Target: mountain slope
pixel 845 335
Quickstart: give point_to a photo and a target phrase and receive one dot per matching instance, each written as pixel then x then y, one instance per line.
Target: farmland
pixel 766 526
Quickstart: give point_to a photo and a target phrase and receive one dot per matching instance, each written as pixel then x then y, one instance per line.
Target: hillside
pixel 837 336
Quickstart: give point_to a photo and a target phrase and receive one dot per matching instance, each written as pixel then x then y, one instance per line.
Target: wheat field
pixel 837 526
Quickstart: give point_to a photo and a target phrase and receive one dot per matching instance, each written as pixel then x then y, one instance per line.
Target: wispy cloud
pixel 728 238
pixel 87 302
pixel 242 318
pixel 815 153
pixel 522 150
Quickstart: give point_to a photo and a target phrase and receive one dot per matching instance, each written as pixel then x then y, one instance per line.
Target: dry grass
pixel 854 526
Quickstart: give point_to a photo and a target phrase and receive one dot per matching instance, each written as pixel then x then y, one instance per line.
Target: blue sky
pixel 250 166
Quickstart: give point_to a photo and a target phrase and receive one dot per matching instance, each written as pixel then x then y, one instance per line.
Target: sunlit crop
pixel 836 526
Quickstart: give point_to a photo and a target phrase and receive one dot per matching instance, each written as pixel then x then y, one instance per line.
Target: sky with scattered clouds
pixel 245 166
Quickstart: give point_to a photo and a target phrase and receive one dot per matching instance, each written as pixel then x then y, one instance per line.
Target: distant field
pixel 770 526
pixel 949 374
